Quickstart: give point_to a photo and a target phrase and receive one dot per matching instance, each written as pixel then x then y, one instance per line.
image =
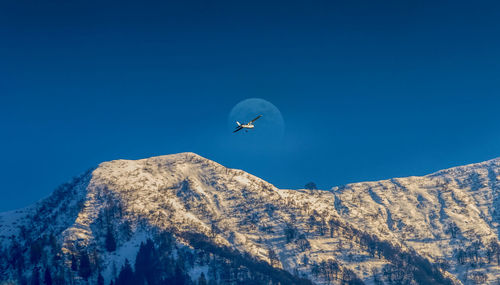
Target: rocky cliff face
pixel 197 221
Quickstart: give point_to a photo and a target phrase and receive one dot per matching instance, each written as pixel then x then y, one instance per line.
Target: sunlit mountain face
pixel 183 219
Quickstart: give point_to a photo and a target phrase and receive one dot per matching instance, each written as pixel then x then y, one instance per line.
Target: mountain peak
pixel 180 157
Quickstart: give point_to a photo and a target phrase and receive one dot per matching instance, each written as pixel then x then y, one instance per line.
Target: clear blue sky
pixel 368 89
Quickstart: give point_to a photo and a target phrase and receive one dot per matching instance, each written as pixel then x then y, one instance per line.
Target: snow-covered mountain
pixel 451 216
pixel 183 219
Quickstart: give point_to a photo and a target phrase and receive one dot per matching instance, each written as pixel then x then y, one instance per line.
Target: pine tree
pixel 305 259
pixel 303 243
pixel 35 276
pixel 146 263
pixel 126 230
pixel 110 240
pixel 74 263
pixel 58 277
pixel 290 232
pixel 126 276
pixel 35 252
pixel 312 222
pixel 311 186
pixel 202 280
pixel 179 278
pixel 53 243
pixel 332 224
pixel 47 278
pixel 85 270
pixel 100 279
pixel 17 257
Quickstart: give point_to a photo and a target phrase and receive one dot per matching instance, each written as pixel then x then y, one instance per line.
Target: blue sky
pixel 368 89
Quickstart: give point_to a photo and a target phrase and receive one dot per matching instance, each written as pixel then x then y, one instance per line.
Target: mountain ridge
pixel 234 211
pixel 495 161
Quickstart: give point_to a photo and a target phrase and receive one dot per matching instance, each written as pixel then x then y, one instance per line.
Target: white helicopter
pixel 248 125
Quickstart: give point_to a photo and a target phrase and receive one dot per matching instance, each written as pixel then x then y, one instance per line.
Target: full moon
pixel 270 127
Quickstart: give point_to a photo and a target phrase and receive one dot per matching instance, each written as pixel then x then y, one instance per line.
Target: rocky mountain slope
pixel 196 222
pixel 451 216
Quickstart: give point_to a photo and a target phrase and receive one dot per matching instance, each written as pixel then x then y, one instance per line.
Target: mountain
pixel 183 219
pixel 451 217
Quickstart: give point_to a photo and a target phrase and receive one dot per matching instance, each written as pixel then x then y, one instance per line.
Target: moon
pixel 270 128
